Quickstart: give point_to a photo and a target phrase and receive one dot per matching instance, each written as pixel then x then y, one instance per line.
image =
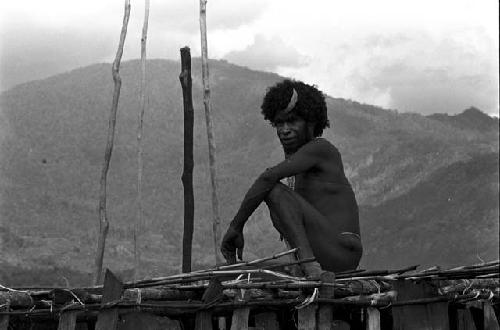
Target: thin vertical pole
pixel 103 218
pixel 187 174
pixel 210 135
pixel 142 99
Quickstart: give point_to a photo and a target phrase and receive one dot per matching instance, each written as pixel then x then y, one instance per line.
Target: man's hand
pixel 231 243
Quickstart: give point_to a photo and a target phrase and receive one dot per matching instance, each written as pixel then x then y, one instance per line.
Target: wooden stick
pixel 187 174
pixel 103 218
pixel 256 261
pixel 138 223
pixel 210 134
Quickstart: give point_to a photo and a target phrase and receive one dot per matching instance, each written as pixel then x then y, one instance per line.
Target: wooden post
pixel 267 321
pixel 203 320
pixel 112 291
pixel 187 174
pixel 142 99
pixel 67 320
pixel 210 134
pixel 4 322
pixel 307 317
pixel 103 218
pixel 490 320
pixel 240 319
pixel 325 311
pixel 372 319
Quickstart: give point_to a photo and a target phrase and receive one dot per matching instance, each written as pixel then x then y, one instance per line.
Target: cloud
pixel 429 75
pixel 267 54
pixel 183 16
pixel 36 52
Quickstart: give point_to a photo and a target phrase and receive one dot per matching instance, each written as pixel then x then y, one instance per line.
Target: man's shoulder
pixel 324 145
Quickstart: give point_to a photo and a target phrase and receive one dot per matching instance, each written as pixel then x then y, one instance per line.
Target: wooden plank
pixel 203 321
pixel 307 317
pixel 67 320
pixel 147 321
pixel 418 317
pixel 266 321
pixel 112 291
pixel 340 325
pixel 221 322
pixel 490 319
pixel 465 320
pixel 325 311
pixel 372 319
pixel 240 319
pixel 4 322
pixel 325 317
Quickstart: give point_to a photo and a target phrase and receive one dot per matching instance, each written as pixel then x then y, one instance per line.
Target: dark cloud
pixel 267 54
pixel 30 53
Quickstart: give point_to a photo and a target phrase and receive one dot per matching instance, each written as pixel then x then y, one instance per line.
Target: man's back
pixel 326 188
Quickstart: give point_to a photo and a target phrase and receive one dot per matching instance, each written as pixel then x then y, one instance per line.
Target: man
pixel 316 211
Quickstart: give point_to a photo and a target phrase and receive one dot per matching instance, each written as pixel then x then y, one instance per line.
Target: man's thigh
pixel 333 250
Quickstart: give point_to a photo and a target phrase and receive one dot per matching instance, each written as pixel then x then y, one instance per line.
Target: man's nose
pixel 285 129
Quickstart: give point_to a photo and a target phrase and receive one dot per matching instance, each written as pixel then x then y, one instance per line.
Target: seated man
pixel 316 211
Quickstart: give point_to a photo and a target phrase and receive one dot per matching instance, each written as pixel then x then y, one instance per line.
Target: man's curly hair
pixel 310 106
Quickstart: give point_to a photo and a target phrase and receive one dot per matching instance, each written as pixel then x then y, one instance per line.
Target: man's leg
pixel 315 236
pixel 288 218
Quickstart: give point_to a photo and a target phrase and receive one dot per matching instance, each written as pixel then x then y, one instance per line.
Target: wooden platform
pixel 232 298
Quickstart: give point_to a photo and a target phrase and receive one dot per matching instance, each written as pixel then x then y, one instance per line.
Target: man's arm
pixel 305 158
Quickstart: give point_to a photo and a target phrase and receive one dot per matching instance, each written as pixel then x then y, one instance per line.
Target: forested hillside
pixel 403 168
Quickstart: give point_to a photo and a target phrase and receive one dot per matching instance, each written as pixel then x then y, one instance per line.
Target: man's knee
pixel 283 205
pixel 279 194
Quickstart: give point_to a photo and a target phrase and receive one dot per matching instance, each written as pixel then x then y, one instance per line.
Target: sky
pixel 423 56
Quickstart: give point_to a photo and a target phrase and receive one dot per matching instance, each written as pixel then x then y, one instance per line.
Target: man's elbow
pixel 268 178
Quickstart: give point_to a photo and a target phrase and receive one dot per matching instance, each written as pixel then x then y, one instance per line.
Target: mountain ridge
pixel 53 148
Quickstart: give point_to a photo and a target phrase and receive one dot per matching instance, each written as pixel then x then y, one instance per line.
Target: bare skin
pixel 320 216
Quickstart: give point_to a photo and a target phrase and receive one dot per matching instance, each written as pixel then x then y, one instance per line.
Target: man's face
pixel 293 131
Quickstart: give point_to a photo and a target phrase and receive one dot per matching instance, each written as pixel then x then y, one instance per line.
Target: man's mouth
pixel 287 140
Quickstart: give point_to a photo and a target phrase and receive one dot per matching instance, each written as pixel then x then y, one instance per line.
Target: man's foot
pixel 312 270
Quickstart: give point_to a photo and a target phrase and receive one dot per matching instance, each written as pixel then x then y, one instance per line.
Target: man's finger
pixel 230 256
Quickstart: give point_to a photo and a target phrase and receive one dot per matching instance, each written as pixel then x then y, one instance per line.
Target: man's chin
pixel 288 149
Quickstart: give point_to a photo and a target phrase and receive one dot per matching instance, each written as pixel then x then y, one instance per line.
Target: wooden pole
pixel 210 135
pixel 103 218
pixel 142 100
pixel 187 174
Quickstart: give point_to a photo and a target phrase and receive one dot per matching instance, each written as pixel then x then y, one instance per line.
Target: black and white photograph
pixel 249 164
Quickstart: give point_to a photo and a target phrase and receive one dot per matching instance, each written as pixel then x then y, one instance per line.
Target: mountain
pixel 471 119
pixel 53 134
pixel 457 206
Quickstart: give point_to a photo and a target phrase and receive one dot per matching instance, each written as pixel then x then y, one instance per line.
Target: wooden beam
pixel 203 320
pixel 139 222
pixel 187 173
pixel 267 321
pixel 147 321
pixel 210 133
pixel 240 319
pixel 4 322
pixel 103 218
pixel 16 299
pixel 372 319
pixel 490 319
pixel 307 317
pixel 67 320
pixel 325 311
pixel 112 291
